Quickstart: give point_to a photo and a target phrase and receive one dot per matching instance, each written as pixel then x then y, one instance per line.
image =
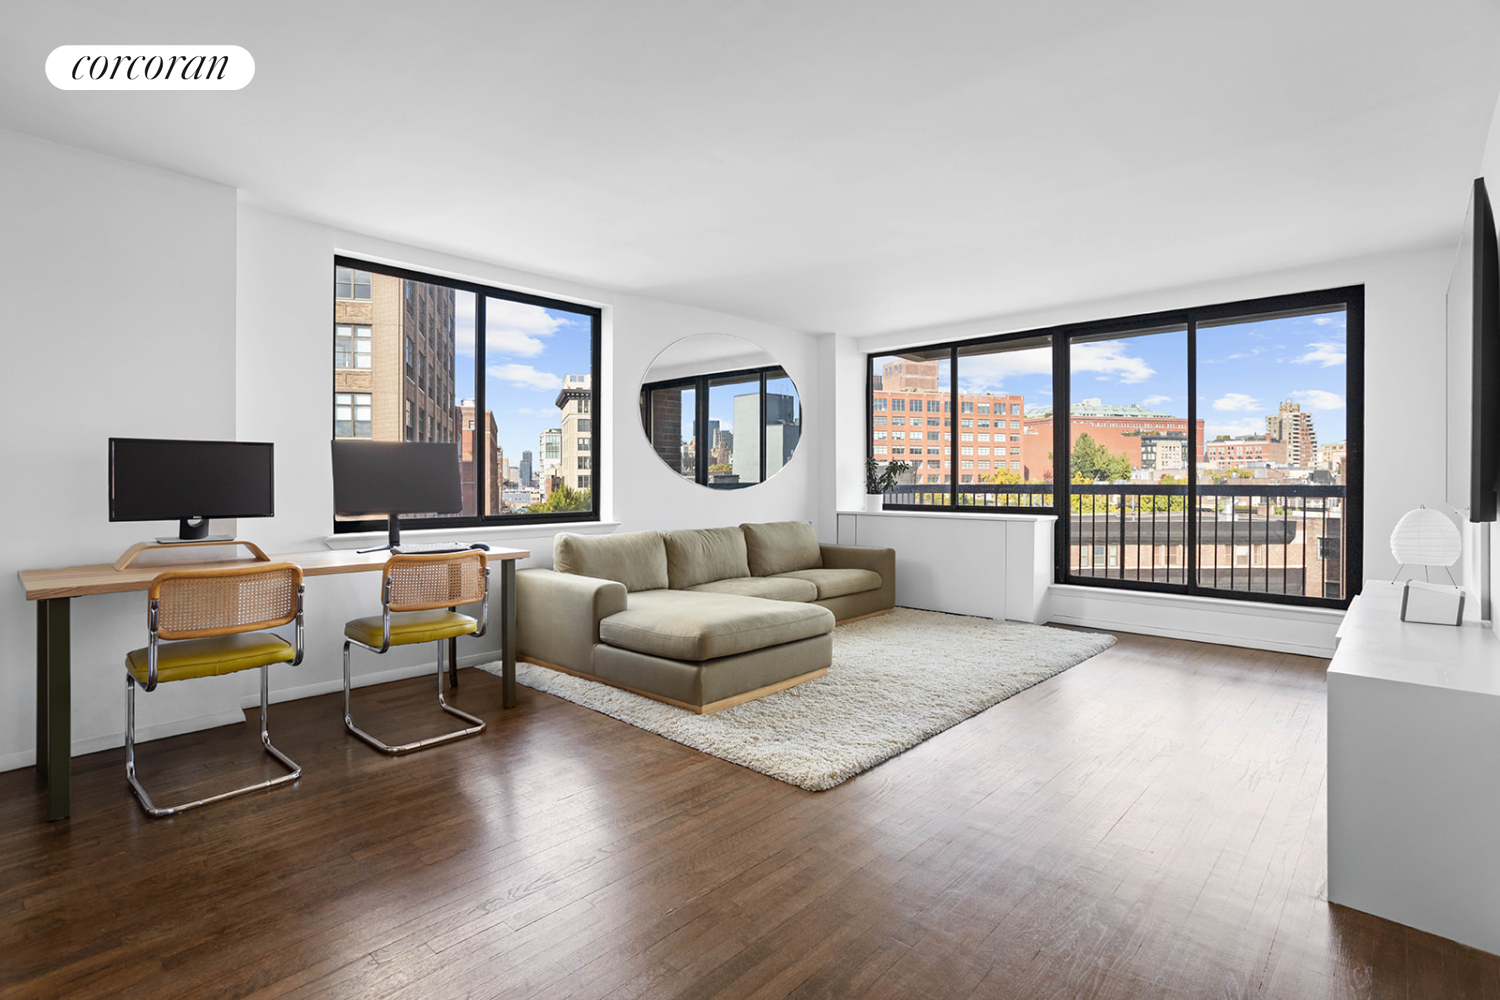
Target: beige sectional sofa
pixel 702 619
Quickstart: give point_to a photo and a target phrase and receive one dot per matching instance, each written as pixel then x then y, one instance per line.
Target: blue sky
pixel 528 352
pixel 1245 371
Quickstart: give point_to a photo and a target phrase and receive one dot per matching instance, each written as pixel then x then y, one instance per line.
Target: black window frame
pixel 700 385
pixel 1350 297
pixel 482 291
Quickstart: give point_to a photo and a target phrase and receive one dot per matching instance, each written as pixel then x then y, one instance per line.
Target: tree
pixel 1004 477
pixel 565 498
pixel 721 467
pixel 1096 463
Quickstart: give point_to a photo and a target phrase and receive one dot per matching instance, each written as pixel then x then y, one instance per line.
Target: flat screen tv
pixel 1473 438
pixel 155 479
pixel 391 478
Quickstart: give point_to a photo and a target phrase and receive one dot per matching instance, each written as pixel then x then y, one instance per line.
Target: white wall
pixel 147 303
pixel 1404 377
pixel 118 282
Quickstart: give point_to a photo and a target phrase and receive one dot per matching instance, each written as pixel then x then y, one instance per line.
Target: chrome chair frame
pixel 153 612
pixel 477 724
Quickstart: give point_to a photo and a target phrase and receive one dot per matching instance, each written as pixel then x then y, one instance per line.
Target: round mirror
pixel 745 403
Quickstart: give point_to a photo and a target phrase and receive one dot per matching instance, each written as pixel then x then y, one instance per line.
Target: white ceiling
pixel 843 165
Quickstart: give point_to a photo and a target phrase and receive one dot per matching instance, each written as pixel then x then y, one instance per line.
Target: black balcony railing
pixel 1283 540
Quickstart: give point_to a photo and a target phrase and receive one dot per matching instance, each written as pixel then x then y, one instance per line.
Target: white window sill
pixel 364 539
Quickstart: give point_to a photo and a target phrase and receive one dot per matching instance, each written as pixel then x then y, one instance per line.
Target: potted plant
pixel 878 481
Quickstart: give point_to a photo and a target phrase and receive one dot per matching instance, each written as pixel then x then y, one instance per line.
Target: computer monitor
pixel 391 478
pixel 154 479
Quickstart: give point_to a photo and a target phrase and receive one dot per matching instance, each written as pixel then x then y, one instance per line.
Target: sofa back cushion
pixel 705 555
pixel 638 559
pixel 781 547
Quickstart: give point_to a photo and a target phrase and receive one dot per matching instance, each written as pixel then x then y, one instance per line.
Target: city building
pixel 524 476
pixel 393 358
pixel 1121 429
pixel 576 436
pixel 549 458
pixel 1246 452
pixel 913 423
pixel 1293 428
pixel 488 447
pixel 1164 453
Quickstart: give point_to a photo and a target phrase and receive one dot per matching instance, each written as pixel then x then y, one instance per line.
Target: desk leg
pixel 453 662
pixel 508 633
pixel 54 705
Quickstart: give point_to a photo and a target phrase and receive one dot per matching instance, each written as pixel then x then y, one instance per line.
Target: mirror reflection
pixel 744 402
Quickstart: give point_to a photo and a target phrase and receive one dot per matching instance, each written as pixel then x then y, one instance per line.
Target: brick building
pixel 494 474
pixel 912 421
pixel 1245 451
pixel 393 358
pixel 1121 429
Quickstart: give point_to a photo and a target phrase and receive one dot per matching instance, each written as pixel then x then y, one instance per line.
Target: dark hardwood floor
pixel 1147 824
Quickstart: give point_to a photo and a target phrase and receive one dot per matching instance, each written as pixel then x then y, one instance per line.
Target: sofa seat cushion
pixel 835 582
pixel 772 588
pixel 705 555
pixel 687 625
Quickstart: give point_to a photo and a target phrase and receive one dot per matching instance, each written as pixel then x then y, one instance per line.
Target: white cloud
pixel 1337 321
pixel 1108 361
pixel 1155 400
pixel 1109 358
pixel 1318 399
pixel 1325 353
pixel 525 376
pixel 511 328
pixel 1237 401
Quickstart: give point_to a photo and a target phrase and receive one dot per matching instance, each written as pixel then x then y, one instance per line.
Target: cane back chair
pixel 210 622
pixel 420 594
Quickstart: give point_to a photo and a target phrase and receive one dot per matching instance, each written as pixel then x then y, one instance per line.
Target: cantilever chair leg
pixel 265 740
pixel 386 748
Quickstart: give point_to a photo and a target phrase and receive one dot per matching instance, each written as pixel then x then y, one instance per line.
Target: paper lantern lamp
pixel 1425 537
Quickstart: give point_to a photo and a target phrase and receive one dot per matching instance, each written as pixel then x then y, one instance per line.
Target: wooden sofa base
pixel 710 708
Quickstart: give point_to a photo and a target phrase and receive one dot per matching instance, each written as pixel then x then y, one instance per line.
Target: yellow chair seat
pixel 409 627
pixel 222 654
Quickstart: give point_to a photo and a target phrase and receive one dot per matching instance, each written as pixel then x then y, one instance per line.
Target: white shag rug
pixel 895 681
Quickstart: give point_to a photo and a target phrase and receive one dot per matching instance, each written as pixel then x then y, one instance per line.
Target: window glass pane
pixel 912 383
pixel 783 421
pixel 733 433
pixel 1131 454
pixel 1013 376
pixel 539 393
pixel 1273 391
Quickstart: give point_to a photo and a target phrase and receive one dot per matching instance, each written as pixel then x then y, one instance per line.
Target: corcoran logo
pixel 150 67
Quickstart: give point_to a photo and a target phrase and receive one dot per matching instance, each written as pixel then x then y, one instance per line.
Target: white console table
pixel 1414 771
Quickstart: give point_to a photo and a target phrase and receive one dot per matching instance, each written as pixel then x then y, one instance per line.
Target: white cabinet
pixel 992 565
pixel 1414 771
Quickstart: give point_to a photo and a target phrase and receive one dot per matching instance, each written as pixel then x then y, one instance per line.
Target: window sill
pixel 364 539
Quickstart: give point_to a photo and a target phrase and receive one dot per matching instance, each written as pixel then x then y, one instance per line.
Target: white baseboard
pixel 364 680
pixel 177 727
pixel 143 734
pixel 1251 624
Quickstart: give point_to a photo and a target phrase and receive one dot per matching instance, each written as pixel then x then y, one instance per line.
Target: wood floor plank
pixel 1149 823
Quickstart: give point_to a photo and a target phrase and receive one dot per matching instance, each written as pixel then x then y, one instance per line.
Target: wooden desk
pixel 53 589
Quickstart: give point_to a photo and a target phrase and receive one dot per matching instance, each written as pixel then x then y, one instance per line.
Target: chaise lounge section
pixel 702 619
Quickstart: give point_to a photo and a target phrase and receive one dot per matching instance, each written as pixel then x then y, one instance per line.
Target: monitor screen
pixel 373 478
pixel 153 479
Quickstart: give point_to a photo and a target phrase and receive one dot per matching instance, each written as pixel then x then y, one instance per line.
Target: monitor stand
pixel 193 529
pixel 393 541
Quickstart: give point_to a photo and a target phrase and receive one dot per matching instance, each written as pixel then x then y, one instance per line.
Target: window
pixel 351 414
pixel 491 371
pixel 1193 432
pixel 349 283
pixel 351 347
pixel 585 461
